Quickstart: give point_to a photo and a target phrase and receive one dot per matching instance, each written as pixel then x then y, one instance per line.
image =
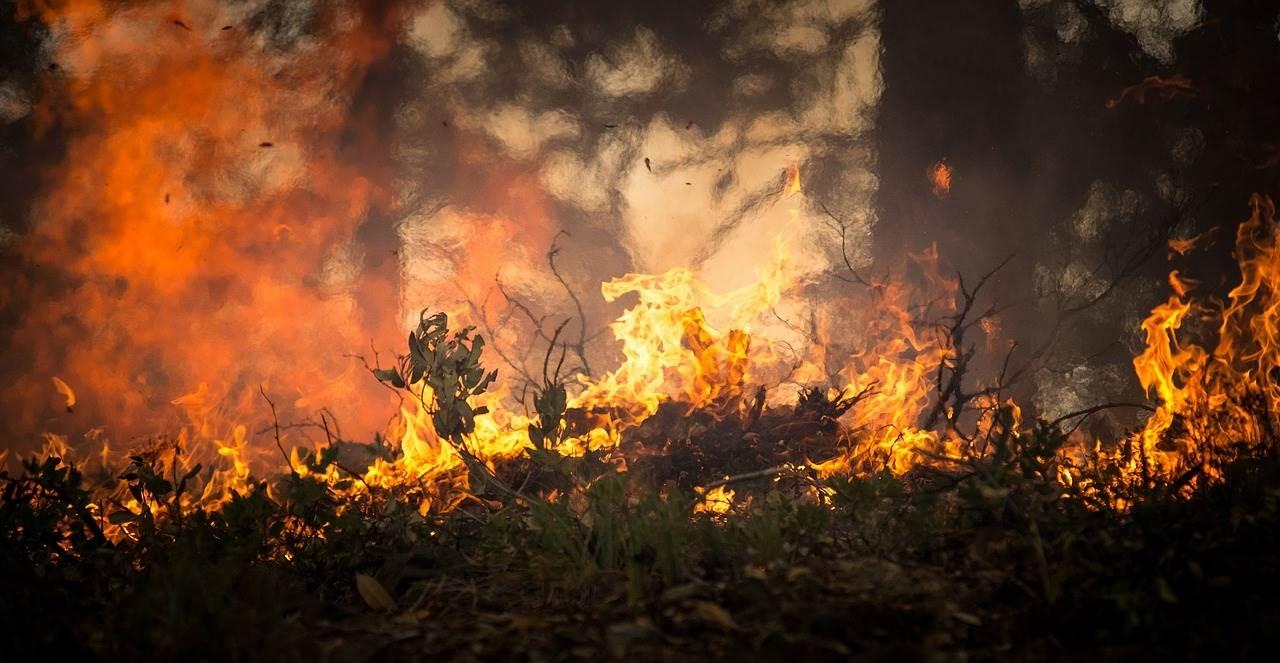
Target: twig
pixel 276 422
pixel 330 440
pixel 758 474
pixel 580 348
pixel 1098 408
pixel 844 243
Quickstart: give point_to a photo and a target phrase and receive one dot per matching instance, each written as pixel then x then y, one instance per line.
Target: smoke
pixel 634 141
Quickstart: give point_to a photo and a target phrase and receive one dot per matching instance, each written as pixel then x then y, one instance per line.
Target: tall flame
pixel 202 222
pixel 1226 395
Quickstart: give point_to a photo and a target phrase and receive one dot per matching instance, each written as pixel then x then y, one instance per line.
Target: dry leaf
pixel 373 593
pixel 709 612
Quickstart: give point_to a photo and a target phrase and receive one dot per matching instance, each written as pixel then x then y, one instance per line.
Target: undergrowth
pixel 986 557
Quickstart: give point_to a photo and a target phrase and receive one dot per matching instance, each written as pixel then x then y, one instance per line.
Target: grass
pixel 1001 562
pixel 985 557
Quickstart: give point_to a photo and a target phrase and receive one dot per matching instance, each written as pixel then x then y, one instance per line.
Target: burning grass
pixel 993 557
pixel 675 507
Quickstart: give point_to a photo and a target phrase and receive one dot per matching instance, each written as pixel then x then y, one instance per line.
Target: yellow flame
pixel 66 391
pixel 793 179
pixel 717 501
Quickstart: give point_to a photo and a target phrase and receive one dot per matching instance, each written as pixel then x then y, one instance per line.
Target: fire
pixel 208 215
pixel 716 501
pixel 65 390
pixel 188 151
pixel 1215 394
pixel 793 180
pixel 940 178
pixel 669 349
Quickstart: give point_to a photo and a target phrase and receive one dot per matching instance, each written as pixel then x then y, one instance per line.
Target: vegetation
pixel 994 556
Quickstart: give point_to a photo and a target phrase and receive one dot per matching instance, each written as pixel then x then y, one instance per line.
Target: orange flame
pixel 793 180
pixel 206 209
pixel 940 178
pixel 1213 393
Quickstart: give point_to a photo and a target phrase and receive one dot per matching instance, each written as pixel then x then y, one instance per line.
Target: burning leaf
pixel 793 179
pixel 266 144
pixel 1176 85
pixel 65 389
pixel 1184 246
pixel 374 594
pixel 1181 284
pixel 940 178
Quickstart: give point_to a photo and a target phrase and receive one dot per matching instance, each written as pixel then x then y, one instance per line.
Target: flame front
pixel 1227 395
pixel 205 228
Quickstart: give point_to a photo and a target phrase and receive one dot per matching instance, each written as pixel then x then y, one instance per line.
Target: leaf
pixel 711 613
pixel 415 350
pixel 122 517
pixel 1165 591
pixel 373 593
pixel 389 375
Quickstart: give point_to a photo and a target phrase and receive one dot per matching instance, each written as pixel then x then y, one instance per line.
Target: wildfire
pixel 214 277
pixel 671 353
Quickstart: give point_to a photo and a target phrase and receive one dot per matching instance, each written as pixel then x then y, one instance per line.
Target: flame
pixel 66 391
pixel 670 351
pixel 1165 87
pixel 1215 394
pixel 793 180
pixel 716 501
pixel 188 151
pixel 940 178
pixel 207 215
pixel 1184 246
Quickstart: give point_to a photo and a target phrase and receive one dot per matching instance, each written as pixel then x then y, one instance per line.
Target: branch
pixel 1098 408
pixel 580 348
pixel 758 474
pixel 844 244
pixel 276 422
